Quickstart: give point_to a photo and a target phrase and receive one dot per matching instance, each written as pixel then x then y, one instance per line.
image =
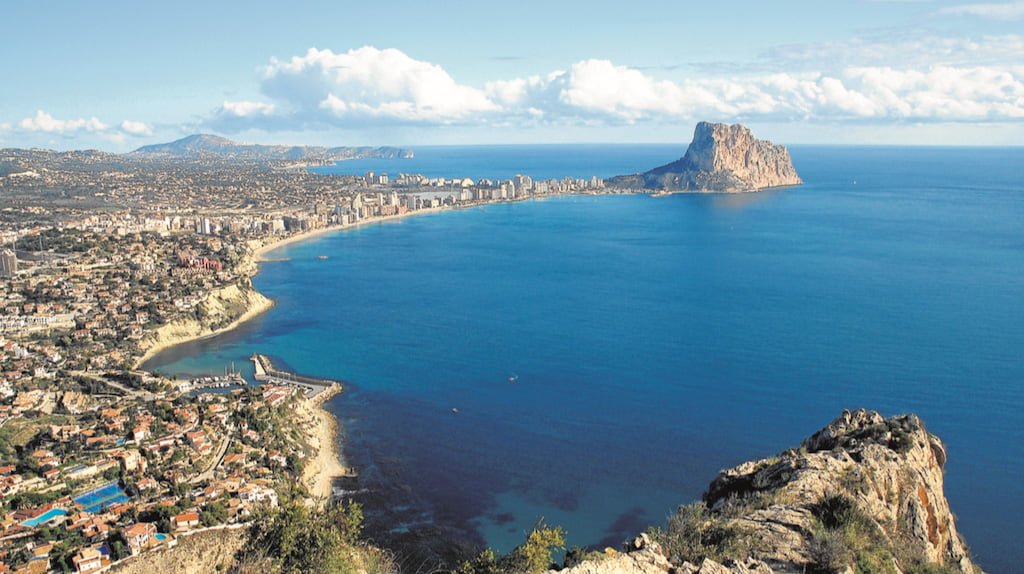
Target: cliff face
pixel 222 310
pixel 200 553
pixel 863 494
pixel 721 158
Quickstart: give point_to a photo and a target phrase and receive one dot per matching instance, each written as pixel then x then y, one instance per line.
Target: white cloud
pixel 247 108
pixel 44 122
pixel 993 10
pixel 369 87
pixel 371 83
pixel 136 128
pixel 598 88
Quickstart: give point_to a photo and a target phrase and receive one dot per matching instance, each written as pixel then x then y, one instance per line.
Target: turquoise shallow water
pixel 658 340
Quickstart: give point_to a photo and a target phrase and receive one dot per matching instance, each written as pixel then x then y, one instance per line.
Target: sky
pixel 115 75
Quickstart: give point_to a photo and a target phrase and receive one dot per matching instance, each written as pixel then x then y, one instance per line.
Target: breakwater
pixel 314 388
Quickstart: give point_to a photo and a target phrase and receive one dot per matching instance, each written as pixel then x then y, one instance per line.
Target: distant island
pixel 721 158
pixel 207 146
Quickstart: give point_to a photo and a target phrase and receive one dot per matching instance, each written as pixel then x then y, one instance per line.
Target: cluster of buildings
pixel 118 476
pixel 116 180
pixel 88 302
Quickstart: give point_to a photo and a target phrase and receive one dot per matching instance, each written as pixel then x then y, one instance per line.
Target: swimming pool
pixel 102 497
pixel 160 536
pixel 44 517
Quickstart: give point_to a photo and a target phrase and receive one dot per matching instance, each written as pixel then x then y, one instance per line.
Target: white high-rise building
pixel 8 263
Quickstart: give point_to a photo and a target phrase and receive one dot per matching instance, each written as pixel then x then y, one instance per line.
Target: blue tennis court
pixel 102 497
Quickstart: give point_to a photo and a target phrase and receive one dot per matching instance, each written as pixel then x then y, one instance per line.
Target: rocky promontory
pixel 862 495
pixel 721 158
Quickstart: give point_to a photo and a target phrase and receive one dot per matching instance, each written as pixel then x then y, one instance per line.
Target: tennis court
pixel 102 497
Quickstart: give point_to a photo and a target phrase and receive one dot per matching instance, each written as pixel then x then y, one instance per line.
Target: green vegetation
pixel 578 555
pixel 213 513
pixel 895 433
pixel 34 499
pixel 294 539
pixel 535 555
pixel 694 533
pixel 847 537
pixel 19 433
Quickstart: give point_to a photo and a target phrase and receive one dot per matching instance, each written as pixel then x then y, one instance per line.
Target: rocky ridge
pixel 721 158
pixel 863 494
pixel 207 146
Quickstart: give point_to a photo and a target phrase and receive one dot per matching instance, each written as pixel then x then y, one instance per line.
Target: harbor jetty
pixel 314 388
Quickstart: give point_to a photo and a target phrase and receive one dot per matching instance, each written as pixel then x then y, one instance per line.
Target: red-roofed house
pixel 139 536
pixel 185 520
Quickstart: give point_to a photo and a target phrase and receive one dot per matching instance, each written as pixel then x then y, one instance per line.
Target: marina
pixel 313 387
pixel 230 378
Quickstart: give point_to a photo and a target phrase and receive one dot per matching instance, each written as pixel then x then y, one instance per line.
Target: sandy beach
pixel 322 435
pixel 260 252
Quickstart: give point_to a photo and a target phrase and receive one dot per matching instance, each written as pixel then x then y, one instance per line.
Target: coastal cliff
pixel 202 552
pixel 864 494
pixel 222 310
pixel 721 158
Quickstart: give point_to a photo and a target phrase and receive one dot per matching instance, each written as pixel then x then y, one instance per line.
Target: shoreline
pixel 259 253
pixel 323 428
pixel 257 304
pixel 323 431
pixel 262 303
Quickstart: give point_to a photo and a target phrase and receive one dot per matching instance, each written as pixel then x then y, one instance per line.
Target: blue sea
pixel 654 341
pixel 505 161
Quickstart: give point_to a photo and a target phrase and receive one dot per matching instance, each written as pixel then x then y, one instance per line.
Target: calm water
pixel 504 162
pixel 658 340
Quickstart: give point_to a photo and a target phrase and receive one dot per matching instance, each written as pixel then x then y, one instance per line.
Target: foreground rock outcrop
pixel 863 494
pixel 645 556
pixel 721 158
pixel 200 553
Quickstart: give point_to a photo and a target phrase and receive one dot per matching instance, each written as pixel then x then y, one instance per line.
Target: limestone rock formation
pixel 198 553
pixel 890 469
pixel 863 494
pixel 721 158
pixel 644 556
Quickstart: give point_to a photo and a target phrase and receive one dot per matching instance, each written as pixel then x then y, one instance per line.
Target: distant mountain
pixel 207 146
pixel 723 158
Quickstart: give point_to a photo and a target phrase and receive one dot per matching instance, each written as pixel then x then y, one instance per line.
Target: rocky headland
pixel 862 495
pixel 721 158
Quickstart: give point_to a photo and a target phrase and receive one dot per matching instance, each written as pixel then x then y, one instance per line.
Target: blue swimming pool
pixel 102 497
pixel 44 517
pixel 160 536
